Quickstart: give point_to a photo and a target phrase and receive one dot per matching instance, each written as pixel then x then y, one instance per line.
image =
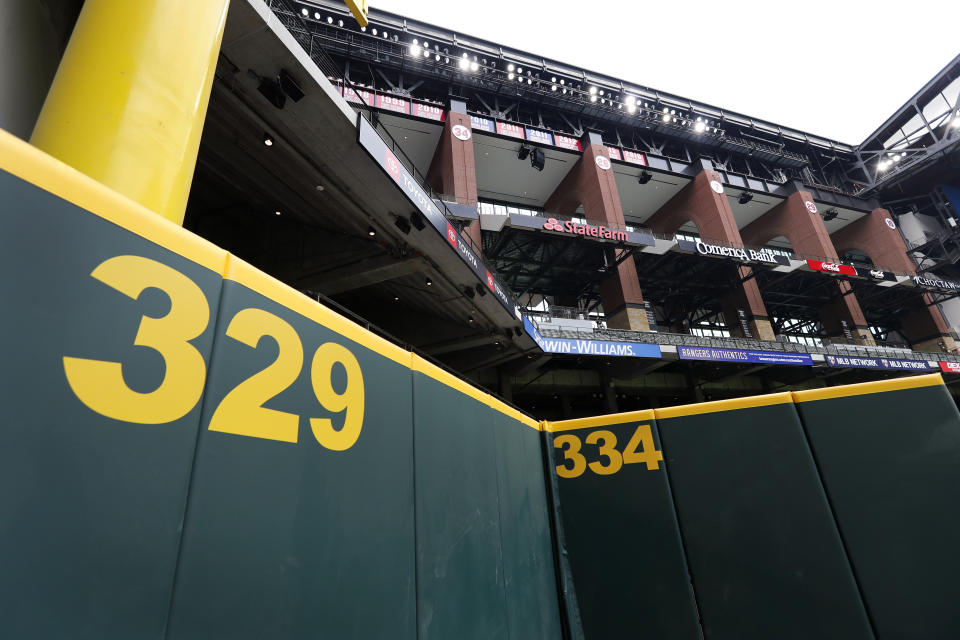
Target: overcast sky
pixel 835 68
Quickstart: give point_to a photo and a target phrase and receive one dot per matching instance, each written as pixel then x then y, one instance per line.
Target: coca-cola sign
pixel 832 267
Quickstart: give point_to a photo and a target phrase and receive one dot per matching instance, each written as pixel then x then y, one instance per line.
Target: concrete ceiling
pixel 502 176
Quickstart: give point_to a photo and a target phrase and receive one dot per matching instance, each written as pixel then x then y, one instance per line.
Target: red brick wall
pixel 453 170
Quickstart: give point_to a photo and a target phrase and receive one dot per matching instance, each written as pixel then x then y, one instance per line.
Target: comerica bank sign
pixel 736 253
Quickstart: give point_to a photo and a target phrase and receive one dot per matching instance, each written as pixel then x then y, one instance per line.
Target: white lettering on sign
pixel 716 186
pixel 603 162
pixel 461 132
pixel 890 223
pixel 811 207
pixel 577 229
pixel 744 255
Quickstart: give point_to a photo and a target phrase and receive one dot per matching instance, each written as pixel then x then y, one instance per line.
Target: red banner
pixel 512 130
pixel 950 367
pixel 359 95
pixel 614 153
pixel 832 267
pixel 428 111
pixel 634 157
pixel 566 142
pixel 392 103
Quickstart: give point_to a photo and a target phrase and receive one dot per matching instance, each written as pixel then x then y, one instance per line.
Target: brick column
pixel 453 170
pixel 705 203
pixel 803 228
pixel 876 235
pixel 591 183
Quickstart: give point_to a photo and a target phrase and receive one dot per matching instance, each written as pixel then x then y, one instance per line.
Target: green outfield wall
pixel 192 449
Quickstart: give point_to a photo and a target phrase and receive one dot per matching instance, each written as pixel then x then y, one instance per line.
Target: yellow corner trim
pixel 724 405
pixel 877 386
pixel 26 162
pixel 600 421
pixel 427 368
pixel 243 273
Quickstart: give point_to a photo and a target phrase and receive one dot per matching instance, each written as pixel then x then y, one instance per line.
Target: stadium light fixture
pixel 666 117
pixel 538 159
pixel 700 126
pixel 553 87
pixel 644 177
pixel 464 62
pixel 305 12
pixel 511 76
pixel 510 67
pixel 745 197
pixel 415 49
pixel 523 153
pixel 267 139
pixel 593 98
pixel 474 66
pixel 593 91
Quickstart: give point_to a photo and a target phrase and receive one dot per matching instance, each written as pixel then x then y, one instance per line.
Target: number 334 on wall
pixel 640 448
pixel 99 384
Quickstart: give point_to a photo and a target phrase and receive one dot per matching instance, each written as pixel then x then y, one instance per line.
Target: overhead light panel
pixel 267 139
pixel 427 281
pixel 371 231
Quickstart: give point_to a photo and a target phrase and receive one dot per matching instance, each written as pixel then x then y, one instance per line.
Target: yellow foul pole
pixel 129 98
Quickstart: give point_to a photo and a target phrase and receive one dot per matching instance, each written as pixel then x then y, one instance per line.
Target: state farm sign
pixel 577 229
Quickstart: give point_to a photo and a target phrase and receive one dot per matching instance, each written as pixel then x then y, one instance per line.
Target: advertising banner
pixel 745 356
pixel 876 275
pixel 569 227
pixel 392 103
pixel 832 267
pixel 743 255
pixel 536 135
pixel 936 283
pixel 860 362
pixel 428 111
pixel 361 96
pixel 591 347
pixel 510 129
pixel 950 367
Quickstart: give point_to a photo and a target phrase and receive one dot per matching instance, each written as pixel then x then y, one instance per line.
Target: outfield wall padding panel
pixel 764 552
pixel 622 543
pixel 90 506
pixel 292 539
pixel 890 462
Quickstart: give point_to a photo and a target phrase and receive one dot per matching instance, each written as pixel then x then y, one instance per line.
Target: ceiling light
pixel 426 54
pixel 666 117
pixel 474 66
pixel 593 98
pixel 396 298
pixel 699 127
pixel 553 87
pixel 511 76
pixel 267 139
pixel 426 45
pixel 304 12
pixel 371 231
pixel 464 63
pixel 428 282
pixel 510 67
pixel 631 108
pixel 593 91
pixel 519 70
pixel 317 16
pixel 470 319
pixel 374 32
pixel 276 213
pixel 415 49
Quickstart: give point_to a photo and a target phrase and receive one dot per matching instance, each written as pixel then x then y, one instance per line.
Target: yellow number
pixel 648 454
pixel 99 384
pixel 351 400
pixel 242 412
pixel 572 453
pixel 606 449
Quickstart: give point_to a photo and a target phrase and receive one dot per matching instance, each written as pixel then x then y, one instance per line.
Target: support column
pixel 877 236
pixel 803 228
pixel 130 96
pixel 704 202
pixel 591 183
pixel 453 170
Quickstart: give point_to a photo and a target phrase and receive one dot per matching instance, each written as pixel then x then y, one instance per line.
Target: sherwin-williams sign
pixel 859 362
pixel 741 355
pixel 591 347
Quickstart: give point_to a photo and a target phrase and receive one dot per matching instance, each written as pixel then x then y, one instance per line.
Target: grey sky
pixel 834 68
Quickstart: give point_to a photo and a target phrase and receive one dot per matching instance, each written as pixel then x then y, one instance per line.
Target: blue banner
pixel 741 355
pixel 482 124
pixel 591 347
pixel 860 362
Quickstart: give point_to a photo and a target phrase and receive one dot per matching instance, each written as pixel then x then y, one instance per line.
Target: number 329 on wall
pixel 639 449
pixel 100 385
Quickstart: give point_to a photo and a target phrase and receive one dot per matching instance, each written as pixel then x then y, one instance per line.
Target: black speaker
pixel 538 159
